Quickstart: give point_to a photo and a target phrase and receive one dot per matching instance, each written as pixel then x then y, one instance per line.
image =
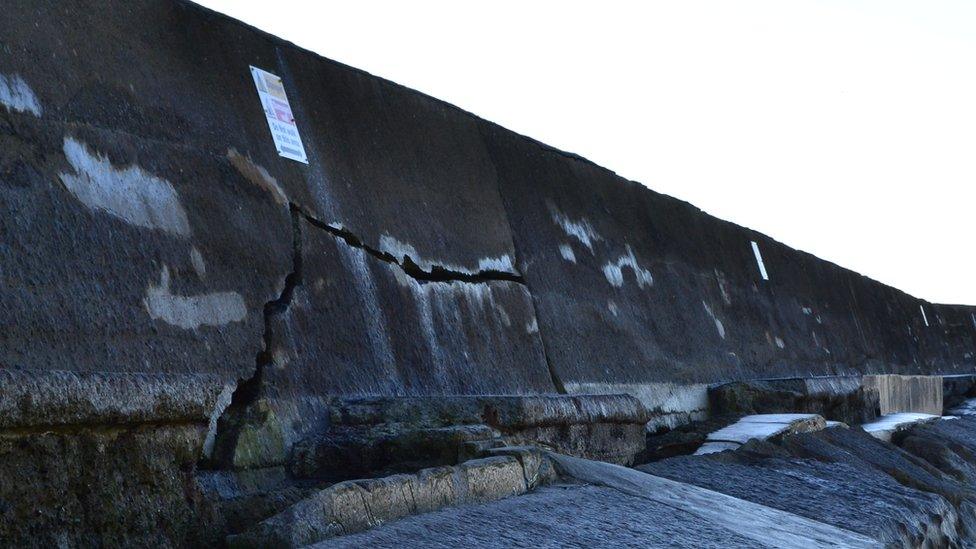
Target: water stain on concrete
pixel 129 193
pixel 257 175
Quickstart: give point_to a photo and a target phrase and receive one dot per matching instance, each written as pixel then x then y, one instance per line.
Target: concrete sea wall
pixel 150 228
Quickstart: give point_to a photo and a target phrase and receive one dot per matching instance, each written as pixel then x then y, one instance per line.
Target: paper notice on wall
pixel 281 121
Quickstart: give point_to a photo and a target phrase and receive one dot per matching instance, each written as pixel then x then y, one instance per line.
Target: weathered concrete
pixel 152 229
pixel 855 498
pixel 380 435
pixel 354 506
pixel 760 427
pixel 922 394
pixel 836 398
pixel 762 524
pixel 886 426
pixel 102 459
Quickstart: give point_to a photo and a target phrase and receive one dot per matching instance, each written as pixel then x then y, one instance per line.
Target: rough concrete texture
pixel 957 389
pixel 864 501
pixel 355 506
pixel 153 229
pixel 636 253
pixel 897 393
pixel 859 449
pixel 31 399
pixel 120 259
pixel 376 436
pixel 153 97
pixel 843 399
pixel 646 511
pixel 763 524
pixel 385 330
pixel 97 486
pixel 949 446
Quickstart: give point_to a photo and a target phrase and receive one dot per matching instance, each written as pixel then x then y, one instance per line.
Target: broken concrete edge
pixel 888 425
pixel 358 505
pixel 33 399
pixel 760 427
pixel 504 412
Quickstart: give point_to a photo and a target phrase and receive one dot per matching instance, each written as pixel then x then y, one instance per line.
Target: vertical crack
pixel 249 390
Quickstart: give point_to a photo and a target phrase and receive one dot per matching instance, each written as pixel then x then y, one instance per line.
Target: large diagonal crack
pixel 437 273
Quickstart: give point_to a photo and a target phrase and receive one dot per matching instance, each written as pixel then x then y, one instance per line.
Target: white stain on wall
pixel 17 96
pixel 199 265
pixel 128 193
pixel 566 251
pixel 615 274
pixel 192 312
pixel 579 229
pixel 403 250
pixel 718 323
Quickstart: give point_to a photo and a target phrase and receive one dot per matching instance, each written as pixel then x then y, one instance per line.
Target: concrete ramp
pixel 765 525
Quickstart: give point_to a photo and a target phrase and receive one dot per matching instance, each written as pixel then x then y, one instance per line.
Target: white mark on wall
pixel 500 264
pixel 129 193
pixel 580 230
pixel 17 96
pixel 199 266
pixel 191 312
pixel 718 323
pixel 566 251
pixel 759 261
pixel 400 251
pixel 615 275
pixel 780 343
pixel 723 287
pixel 807 311
pixel 924 318
pixel 257 175
pixel 612 307
pixel 533 326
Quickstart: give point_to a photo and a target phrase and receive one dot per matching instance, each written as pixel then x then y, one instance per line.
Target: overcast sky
pixel 843 128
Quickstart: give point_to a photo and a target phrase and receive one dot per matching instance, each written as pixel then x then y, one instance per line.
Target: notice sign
pixel 281 121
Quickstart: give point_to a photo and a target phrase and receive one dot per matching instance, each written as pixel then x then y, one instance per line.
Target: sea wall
pixel 150 227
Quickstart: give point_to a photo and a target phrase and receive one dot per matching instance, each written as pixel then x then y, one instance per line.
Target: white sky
pixel 843 128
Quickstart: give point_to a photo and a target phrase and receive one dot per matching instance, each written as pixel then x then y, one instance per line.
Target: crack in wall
pixel 437 273
pixel 249 390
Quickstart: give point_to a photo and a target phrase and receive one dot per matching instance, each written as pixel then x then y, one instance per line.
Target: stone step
pixel 356 506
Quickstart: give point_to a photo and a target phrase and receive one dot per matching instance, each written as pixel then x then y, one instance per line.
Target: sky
pixel 846 129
